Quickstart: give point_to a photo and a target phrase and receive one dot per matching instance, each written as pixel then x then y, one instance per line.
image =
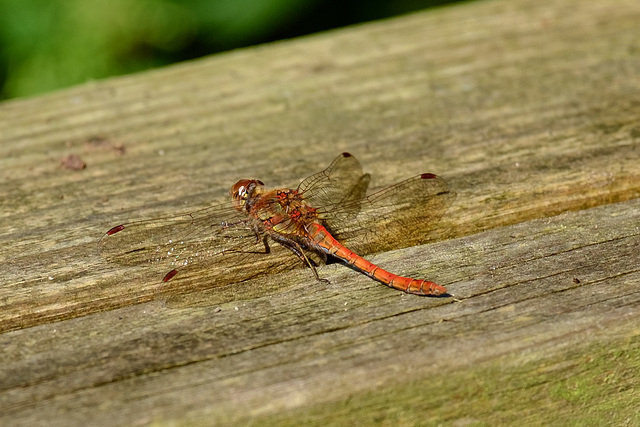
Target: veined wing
pixel 198 237
pixel 398 216
pixel 339 185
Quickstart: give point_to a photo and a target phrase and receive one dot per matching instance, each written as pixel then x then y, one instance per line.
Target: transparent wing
pixel 200 237
pixel 338 186
pixel 399 216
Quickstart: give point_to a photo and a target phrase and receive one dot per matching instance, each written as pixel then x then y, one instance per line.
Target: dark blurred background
pixel 50 44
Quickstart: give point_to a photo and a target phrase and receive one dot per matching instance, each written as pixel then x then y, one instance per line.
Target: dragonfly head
pixel 244 190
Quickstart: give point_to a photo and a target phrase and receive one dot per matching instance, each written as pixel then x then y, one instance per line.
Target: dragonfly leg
pixel 265 241
pixel 297 249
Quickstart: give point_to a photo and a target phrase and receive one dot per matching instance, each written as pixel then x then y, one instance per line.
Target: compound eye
pixel 242 192
pixel 240 189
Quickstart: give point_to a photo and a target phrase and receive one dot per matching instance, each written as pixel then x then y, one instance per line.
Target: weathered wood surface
pixel 529 110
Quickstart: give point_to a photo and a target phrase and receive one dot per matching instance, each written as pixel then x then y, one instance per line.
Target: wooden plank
pixel 559 143
pixel 527 110
pixel 523 306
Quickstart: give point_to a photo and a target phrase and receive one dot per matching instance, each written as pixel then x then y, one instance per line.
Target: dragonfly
pixel 329 216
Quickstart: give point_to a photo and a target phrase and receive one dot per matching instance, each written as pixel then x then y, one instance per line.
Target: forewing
pixel 200 238
pixel 339 185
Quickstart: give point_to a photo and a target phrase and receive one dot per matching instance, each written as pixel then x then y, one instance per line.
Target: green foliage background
pixel 49 44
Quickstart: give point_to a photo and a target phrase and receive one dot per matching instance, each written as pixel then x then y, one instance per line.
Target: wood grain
pixel 528 110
